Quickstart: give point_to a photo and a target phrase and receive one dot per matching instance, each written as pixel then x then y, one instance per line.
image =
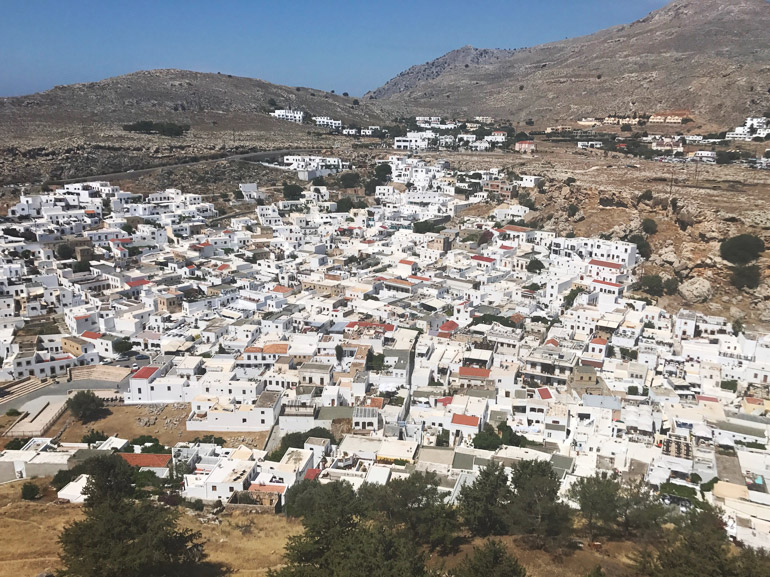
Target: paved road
pixel 131 174
pixel 60 386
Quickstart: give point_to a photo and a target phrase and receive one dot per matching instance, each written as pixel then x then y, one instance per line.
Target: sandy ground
pixel 169 427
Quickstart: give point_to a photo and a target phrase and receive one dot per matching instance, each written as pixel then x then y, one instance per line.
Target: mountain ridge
pixel 664 60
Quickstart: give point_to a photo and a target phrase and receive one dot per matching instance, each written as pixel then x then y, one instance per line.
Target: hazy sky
pixel 347 46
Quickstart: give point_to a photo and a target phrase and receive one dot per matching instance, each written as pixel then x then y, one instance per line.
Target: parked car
pixel 142 357
pixel 134 368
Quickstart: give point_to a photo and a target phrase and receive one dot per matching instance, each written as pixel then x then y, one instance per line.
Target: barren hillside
pixel 711 57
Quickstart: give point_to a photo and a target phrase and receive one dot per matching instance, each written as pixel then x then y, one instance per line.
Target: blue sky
pixel 347 46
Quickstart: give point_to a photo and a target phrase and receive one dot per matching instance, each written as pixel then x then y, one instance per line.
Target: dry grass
pixel 244 543
pixel 248 544
pixel 169 427
pixel 613 559
pixel 30 529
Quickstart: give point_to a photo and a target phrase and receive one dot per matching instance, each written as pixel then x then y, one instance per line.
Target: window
pixel 262 421
pixel 244 420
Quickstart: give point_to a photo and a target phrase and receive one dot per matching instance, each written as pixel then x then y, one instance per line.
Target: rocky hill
pixel 76 130
pixel 711 57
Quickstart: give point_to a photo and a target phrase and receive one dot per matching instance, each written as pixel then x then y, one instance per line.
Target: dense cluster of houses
pixel 416 327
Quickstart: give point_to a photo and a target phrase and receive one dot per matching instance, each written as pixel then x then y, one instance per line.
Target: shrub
pixel 569 180
pixel 729 385
pixel 671 285
pixel 649 226
pixel 742 249
pixel 652 284
pixel 642 246
pixel 86 406
pixel 30 491
pixel 572 210
pixel 93 436
pixel 16 443
pixel 13 413
pixel 646 196
pixel 535 266
pixel 747 276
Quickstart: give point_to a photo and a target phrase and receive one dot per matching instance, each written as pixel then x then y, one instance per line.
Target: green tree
pixel 639 510
pixel 344 204
pixel 349 179
pixel 535 266
pixel 82 265
pixel 649 226
pixel 64 251
pixel 698 547
pixel 746 276
pixel 598 498
pixel 128 539
pixel 297 441
pixel 30 491
pixel 652 284
pixel 292 191
pixel 535 508
pixel 487 439
pixel 110 481
pixel 93 436
pixel 86 406
pixel 489 560
pixel 671 285
pixel 509 437
pixel 642 245
pixel 483 505
pixel 122 346
pixel 382 172
pixel 339 352
pixel 742 249
pixel 415 505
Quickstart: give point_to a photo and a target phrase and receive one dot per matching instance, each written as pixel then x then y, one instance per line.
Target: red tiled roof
pixel 146 459
pixel 420 278
pixel 223 267
pixel 754 401
pixel 505 247
pixel 276 348
pixel 81 317
pixel 466 420
pixel 449 326
pixel 474 372
pixel 599 341
pixel 281 289
pixel 552 342
pixel 514 228
pixel 706 399
pixel 444 401
pixel 312 474
pixel 136 283
pixel 544 394
pixel 377 402
pixel 406 262
pixel 281 489
pixel 91 335
pixel 606 283
pixel 480 258
pixel 605 264
pixel 145 372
